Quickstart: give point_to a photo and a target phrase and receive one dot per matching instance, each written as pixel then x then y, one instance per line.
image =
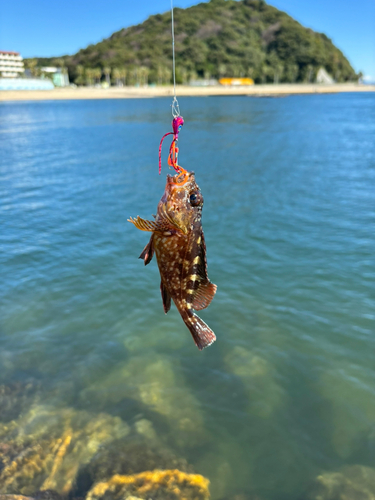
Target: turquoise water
pixel 288 389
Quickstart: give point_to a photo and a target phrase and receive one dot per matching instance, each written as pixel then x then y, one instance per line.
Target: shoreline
pixel 267 90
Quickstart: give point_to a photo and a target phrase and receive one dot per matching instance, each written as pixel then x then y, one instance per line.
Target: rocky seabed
pixel 49 452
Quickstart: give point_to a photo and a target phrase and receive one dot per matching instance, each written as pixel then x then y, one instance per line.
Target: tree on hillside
pixel 123 75
pixel 97 74
pixel 143 73
pixel 116 75
pixel 164 75
pixel 107 73
pixel 89 76
pixel 290 73
pixel 60 63
pixel 276 65
pixel 308 73
pixel 266 73
pixel 31 64
pixel 182 76
pixel 80 79
pixel 222 70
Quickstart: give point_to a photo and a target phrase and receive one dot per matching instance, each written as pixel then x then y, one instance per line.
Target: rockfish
pixel 178 242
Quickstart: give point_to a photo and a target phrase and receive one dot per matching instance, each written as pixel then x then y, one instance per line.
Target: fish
pixel 178 242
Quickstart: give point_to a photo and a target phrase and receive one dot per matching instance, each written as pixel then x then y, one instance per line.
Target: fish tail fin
pixel 202 334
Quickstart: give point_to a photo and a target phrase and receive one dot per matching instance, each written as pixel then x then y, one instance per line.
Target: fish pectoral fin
pixel 142 224
pixel 165 297
pixel 163 225
pixel 148 251
pixel 203 296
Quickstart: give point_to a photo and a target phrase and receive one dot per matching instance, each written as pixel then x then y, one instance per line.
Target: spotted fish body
pixel 177 240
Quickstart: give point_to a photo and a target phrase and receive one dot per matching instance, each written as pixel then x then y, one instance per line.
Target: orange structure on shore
pixel 236 81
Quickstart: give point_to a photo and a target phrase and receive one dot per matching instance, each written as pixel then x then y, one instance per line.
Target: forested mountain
pixel 215 39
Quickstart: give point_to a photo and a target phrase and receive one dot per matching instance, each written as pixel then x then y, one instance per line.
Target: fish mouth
pixel 179 180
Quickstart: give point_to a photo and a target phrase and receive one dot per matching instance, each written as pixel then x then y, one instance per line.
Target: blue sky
pixel 51 28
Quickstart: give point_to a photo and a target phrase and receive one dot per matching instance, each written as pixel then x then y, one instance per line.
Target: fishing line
pixel 177 121
pixel 175 105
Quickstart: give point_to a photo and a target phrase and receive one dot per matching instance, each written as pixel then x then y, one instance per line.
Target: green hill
pixel 215 39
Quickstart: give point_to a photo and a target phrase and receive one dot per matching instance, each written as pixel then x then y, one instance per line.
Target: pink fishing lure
pixel 177 123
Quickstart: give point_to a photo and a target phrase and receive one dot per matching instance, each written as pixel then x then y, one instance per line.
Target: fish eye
pixel 196 199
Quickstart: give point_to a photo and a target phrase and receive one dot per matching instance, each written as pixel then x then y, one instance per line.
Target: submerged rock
pixel 51 452
pixel 157 484
pixel 44 449
pixel 39 495
pixel 14 497
pixel 243 496
pixel 265 396
pixel 220 471
pixel 158 384
pixel 227 465
pixel 350 406
pixel 353 482
pixel 145 428
pixel 126 456
pixel 47 495
pixel 16 398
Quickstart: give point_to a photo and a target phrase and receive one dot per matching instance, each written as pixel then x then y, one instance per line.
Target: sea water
pixel 287 392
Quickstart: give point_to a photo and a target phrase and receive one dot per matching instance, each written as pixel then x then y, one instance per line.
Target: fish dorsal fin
pixel 203 295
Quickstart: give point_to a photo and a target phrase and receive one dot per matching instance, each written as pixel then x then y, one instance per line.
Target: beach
pixel 268 90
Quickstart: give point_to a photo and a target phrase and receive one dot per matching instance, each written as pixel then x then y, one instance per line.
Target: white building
pixel 324 77
pixel 11 64
pixel 59 76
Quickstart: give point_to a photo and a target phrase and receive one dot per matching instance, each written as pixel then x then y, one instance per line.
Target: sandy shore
pixel 182 90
